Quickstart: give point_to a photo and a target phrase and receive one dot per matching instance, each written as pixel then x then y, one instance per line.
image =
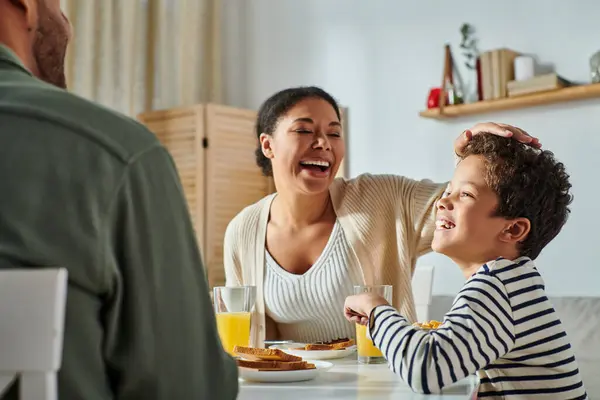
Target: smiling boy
pixel 505 203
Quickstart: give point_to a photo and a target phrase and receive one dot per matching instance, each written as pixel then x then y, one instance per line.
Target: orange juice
pixel 365 345
pixel 234 329
pixel 367 352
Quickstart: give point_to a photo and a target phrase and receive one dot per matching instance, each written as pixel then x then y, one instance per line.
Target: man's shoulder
pixel 44 105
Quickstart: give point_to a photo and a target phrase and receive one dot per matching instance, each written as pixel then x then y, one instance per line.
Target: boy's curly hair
pixel 530 183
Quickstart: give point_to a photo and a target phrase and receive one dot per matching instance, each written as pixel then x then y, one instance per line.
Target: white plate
pixel 253 375
pixel 314 354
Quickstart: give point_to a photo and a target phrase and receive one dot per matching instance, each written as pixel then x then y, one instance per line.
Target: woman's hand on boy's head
pixel 497 129
pixel 358 308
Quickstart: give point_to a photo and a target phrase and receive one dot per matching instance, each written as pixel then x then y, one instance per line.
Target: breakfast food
pixel 269 360
pixel 316 346
pixel 338 344
pixel 433 324
pixel 338 341
pixel 275 365
pixel 256 354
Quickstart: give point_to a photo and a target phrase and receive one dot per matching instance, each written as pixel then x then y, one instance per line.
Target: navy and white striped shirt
pixel 501 326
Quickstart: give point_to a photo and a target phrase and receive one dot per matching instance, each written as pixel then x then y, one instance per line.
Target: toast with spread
pixel 338 344
pixel 269 360
pixel 275 365
pixel 257 354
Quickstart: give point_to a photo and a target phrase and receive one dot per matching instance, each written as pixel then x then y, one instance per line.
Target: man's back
pixel 95 192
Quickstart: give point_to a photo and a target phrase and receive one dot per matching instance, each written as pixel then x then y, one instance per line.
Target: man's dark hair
pixel 530 183
pixel 276 106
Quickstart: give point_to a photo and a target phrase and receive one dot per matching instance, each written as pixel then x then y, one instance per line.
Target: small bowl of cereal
pixel 433 324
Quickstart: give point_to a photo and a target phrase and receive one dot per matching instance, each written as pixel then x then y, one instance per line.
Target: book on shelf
pixel 497 69
pixel 540 83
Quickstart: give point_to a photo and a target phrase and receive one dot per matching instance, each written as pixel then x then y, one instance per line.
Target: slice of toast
pixel 273 365
pixel 339 344
pixel 342 345
pixel 342 340
pixel 315 346
pixel 256 354
pixel 307 366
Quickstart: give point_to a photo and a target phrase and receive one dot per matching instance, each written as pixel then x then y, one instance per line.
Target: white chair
pixel 422 284
pixel 32 314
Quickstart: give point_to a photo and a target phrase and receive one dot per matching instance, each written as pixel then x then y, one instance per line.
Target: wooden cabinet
pixel 213 148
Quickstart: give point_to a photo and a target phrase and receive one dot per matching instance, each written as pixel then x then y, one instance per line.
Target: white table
pixel 350 380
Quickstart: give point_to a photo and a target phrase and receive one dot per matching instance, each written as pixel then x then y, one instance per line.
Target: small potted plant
pixel 468 46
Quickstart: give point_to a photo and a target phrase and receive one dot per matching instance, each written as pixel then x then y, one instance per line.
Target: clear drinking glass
pixel 233 307
pixel 367 352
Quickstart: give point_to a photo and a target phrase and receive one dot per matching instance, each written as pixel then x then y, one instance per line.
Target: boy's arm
pixel 477 331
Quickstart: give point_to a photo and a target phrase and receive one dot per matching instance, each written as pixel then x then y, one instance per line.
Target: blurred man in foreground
pixel 88 189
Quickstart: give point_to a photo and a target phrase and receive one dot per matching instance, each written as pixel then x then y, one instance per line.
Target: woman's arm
pixel 419 199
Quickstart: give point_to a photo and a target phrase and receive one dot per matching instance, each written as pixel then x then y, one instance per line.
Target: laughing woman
pixel 305 246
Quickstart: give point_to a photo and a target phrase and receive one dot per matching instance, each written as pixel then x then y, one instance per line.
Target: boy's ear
pixel 516 230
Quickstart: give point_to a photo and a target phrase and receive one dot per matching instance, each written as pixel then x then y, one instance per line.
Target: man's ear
pixel 265 144
pixel 29 9
pixel 516 230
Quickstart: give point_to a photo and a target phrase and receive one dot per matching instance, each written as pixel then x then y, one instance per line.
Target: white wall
pixel 380 57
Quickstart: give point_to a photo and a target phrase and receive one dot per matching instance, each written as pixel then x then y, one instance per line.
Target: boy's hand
pixel 358 308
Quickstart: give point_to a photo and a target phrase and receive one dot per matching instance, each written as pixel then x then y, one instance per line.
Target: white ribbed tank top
pixel 309 307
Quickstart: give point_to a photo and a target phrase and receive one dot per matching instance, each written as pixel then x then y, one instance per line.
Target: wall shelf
pixel 563 95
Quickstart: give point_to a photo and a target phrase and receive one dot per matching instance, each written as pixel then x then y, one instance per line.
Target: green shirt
pixel 91 190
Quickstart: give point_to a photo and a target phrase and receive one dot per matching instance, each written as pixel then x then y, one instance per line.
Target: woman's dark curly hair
pixel 530 183
pixel 275 107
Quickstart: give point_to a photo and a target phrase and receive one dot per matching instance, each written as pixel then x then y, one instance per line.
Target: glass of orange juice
pixel 367 352
pixel 233 307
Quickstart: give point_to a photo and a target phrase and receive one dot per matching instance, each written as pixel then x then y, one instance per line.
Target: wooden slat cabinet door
pixel 182 131
pixel 233 180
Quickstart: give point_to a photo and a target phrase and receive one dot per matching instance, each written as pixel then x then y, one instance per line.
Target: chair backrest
pixel 422 284
pixel 32 314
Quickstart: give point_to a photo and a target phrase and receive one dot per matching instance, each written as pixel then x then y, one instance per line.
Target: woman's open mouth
pixel 316 167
